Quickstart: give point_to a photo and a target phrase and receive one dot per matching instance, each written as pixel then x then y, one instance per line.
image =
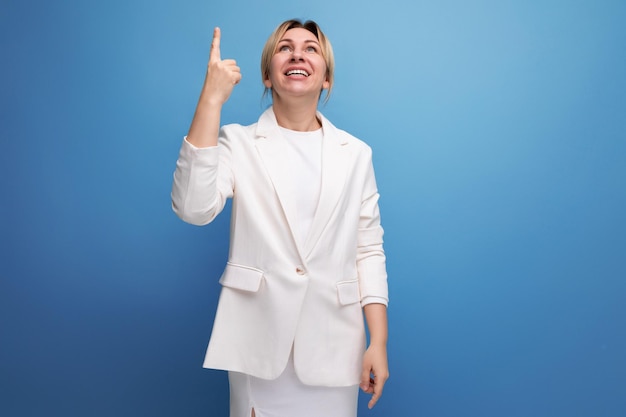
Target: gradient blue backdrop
pixel 499 137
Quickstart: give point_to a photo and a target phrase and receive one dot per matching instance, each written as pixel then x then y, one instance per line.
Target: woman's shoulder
pixel 349 137
pixel 237 131
pixel 265 121
pixel 345 137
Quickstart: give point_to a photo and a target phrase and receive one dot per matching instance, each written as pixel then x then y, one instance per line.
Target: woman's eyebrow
pixel 306 41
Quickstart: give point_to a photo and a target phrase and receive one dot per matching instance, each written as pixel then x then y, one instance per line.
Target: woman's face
pixel 297 68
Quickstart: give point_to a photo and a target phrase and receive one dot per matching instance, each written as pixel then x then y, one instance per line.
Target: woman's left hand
pixel 375 372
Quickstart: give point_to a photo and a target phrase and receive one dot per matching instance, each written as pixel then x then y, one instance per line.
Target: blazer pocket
pixel 348 292
pixel 240 277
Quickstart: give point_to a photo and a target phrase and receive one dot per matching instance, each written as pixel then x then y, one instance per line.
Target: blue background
pixel 499 137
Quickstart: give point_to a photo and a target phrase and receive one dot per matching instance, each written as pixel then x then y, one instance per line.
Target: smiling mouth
pixel 297 72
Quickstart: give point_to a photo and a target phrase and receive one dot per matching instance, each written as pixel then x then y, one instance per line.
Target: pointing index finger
pixel 215 45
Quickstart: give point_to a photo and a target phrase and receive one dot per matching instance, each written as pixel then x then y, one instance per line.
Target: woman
pixel 306 258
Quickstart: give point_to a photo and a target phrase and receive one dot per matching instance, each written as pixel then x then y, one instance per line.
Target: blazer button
pixel 300 270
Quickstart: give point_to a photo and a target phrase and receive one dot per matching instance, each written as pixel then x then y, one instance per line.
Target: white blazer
pixel 276 293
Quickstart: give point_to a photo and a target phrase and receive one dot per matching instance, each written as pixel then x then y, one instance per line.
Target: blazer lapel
pixel 335 165
pixel 273 151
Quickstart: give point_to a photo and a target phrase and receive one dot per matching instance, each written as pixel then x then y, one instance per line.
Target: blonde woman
pixel 306 260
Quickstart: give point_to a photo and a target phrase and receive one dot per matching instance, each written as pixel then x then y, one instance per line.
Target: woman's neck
pixel 300 116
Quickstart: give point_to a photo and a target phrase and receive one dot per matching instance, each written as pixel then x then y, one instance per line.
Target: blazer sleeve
pixel 203 181
pixel 371 261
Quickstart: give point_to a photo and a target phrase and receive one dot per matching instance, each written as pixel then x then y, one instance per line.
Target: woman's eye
pixel 284 48
pixel 311 49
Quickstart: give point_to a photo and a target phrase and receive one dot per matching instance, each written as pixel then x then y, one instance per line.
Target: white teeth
pixel 298 72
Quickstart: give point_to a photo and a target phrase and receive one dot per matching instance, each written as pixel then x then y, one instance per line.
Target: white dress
pixel 286 396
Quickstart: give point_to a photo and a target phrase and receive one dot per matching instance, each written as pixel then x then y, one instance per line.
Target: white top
pixel 306 166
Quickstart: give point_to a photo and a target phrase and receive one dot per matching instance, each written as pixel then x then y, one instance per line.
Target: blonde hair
pixel 326 49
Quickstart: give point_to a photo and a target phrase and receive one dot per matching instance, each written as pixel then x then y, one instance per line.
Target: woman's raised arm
pixel 221 77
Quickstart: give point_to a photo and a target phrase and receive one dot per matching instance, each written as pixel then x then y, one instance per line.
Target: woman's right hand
pixel 222 75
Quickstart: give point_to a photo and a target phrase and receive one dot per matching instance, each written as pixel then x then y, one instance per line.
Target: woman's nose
pixel 296 55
